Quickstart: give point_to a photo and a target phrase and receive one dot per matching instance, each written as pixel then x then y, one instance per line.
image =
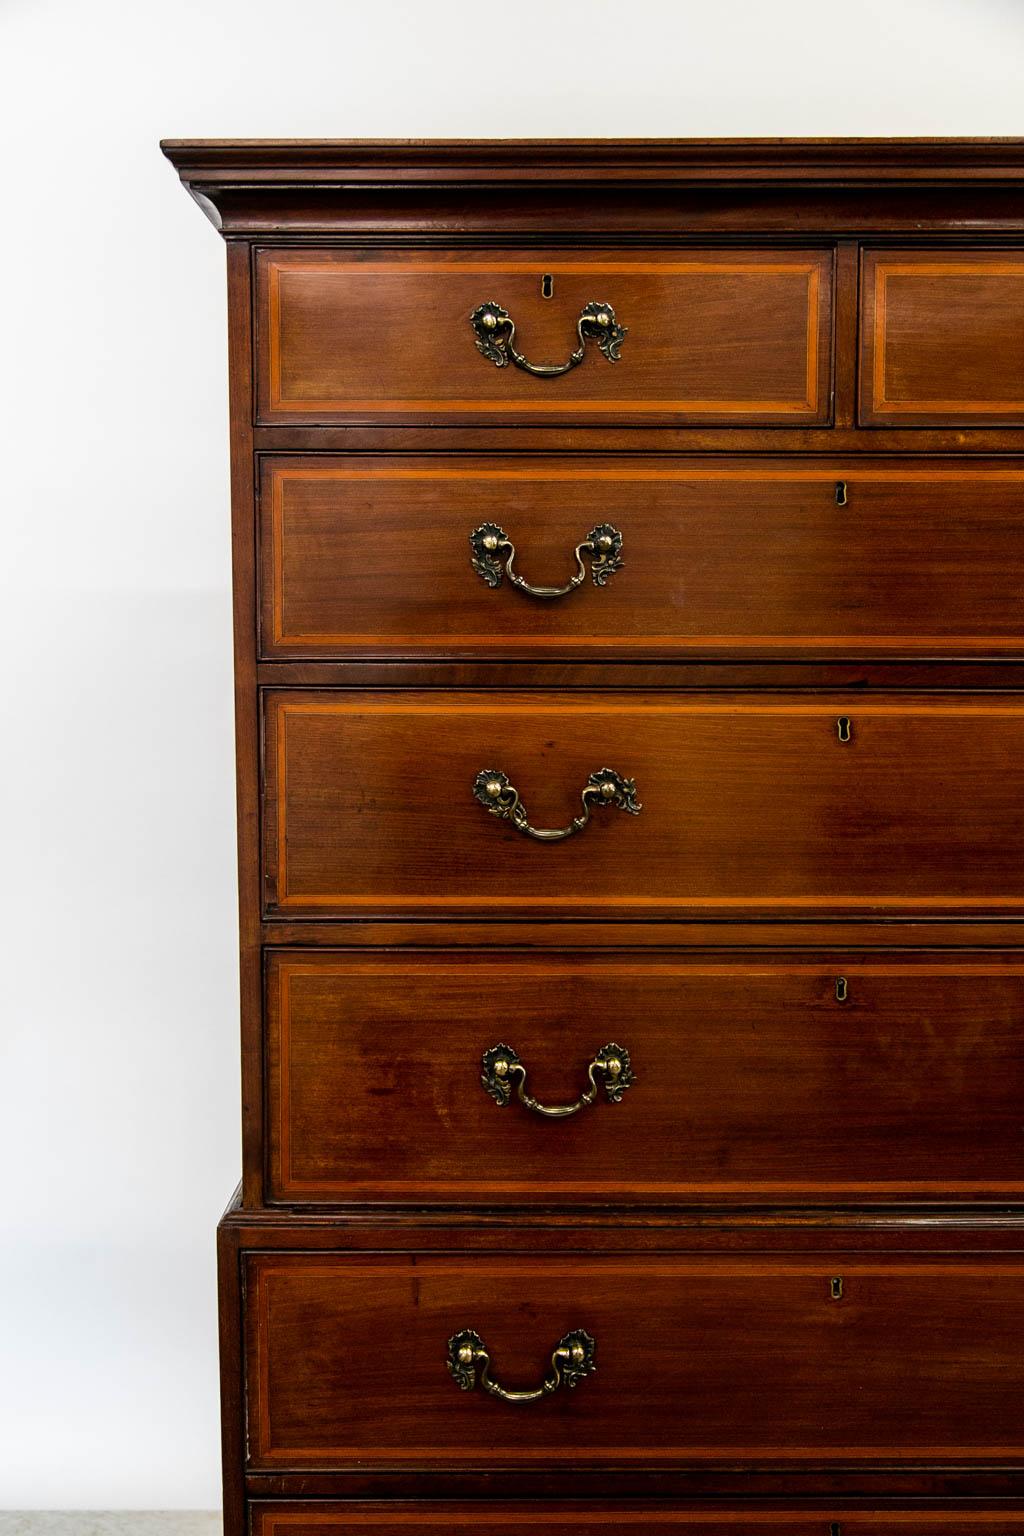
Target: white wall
pixel 118 1080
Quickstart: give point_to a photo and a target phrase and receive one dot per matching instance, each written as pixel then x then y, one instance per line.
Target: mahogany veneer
pixel 588 1519
pixel 368 556
pixel 698 1359
pixel 364 336
pixel 749 804
pixel 942 336
pixel 784 1000
pixel 756 1078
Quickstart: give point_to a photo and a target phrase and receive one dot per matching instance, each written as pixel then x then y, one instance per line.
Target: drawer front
pixel 385 335
pixel 373 557
pixel 740 805
pixel 743 1080
pixel 750 1361
pixel 942 338
pixel 587 1519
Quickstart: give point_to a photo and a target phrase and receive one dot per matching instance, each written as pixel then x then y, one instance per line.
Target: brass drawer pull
pixel 603 788
pixel 501 1066
pixel 602 547
pixel 571 1360
pixel 495 333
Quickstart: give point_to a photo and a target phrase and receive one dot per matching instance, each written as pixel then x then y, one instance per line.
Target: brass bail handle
pixel 602 547
pixel 494 332
pixel 604 788
pixel 470 1363
pixel 610 1066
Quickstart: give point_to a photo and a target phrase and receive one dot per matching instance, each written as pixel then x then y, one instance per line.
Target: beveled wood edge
pixel 247 187
pixel 792 1228
pixel 926 936
pixel 454 672
pixel 769 159
pixel 668 441
pixel 839 1489
pixel 269 1518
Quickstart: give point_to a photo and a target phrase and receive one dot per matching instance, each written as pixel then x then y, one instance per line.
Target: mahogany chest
pixel 629 573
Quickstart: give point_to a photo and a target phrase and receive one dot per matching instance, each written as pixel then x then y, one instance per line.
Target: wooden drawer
pixel 744 1080
pixel 386 335
pixel 841 1360
pixel 585 1518
pixel 942 338
pixel 749 803
pixel 372 557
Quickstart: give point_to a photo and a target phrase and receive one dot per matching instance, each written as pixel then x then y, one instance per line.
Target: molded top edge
pixel 249 185
pixel 204 157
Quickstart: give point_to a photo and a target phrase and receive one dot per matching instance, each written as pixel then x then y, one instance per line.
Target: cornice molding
pixel 246 184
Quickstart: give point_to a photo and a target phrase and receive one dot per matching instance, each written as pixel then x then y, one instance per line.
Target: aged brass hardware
pixel 602 547
pixel 836 1288
pixel 841 497
pixel 547 286
pixel 502 1067
pixel 844 726
pixel 469 1362
pixel 495 333
pixel 603 788
pixel 842 989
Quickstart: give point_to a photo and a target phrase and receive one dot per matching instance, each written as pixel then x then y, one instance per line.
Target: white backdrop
pixel 118 1077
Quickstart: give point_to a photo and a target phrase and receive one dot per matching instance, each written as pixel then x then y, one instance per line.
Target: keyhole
pixel 844 725
pixel 835 1529
pixel 547 286
pixel 836 1288
pixel 841 493
pixel 842 989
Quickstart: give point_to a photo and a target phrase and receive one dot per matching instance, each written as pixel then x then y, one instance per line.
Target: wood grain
pixel 943 337
pixel 363 335
pixel 748 805
pixel 753 1082
pixel 697 1360
pixel 583 1517
pixel 367 557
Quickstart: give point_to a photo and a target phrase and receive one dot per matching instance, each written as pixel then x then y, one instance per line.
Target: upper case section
pixel 524 336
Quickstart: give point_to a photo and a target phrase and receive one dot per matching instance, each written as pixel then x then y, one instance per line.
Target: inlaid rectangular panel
pixel 372 334
pixel 774 1360
pixel 373 557
pixel 583 1518
pixel 378 803
pixel 942 337
pixel 739 1079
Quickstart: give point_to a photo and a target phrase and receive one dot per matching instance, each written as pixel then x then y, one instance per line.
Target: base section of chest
pixel 682 1357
